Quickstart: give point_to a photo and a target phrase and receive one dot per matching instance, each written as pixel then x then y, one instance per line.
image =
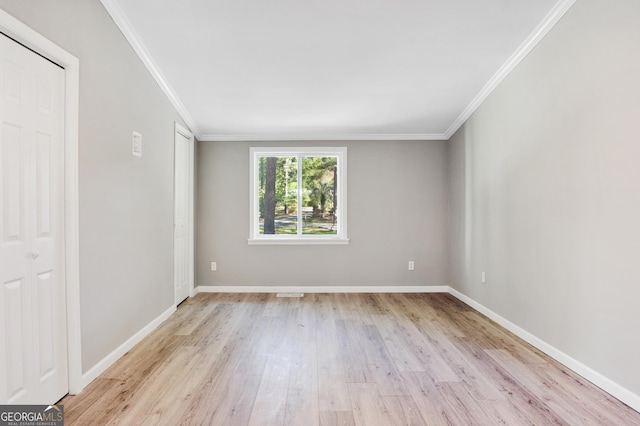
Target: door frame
pixel 45 47
pixel 181 130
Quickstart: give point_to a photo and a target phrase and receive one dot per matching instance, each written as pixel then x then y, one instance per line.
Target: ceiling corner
pixel 121 21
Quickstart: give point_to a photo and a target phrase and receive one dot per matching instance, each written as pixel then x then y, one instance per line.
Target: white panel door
pixel 33 328
pixel 182 217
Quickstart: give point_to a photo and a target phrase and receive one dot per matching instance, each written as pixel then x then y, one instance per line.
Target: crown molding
pixel 323 137
pixel 527 46
pixel 136 43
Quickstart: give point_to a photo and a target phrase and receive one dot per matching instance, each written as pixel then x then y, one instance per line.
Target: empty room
pixel 320 213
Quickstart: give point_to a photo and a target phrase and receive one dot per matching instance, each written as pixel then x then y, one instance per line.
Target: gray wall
pixel 126 203
pixel 545 192
pixel 543 183
pixel 397 211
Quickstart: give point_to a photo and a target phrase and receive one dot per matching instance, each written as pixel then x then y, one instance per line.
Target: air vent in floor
pixel 290 295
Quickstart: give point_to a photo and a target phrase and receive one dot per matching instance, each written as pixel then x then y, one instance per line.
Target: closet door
pixel 33 331
pixel 183 199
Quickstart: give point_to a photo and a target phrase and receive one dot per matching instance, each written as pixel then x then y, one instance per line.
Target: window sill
pixel 298 241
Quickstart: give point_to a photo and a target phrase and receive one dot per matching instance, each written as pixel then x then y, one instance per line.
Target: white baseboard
pixel 323 289
pixel 604 383
pixel 107 361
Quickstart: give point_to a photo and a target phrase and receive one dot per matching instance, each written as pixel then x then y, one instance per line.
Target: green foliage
pixel 318 183
pixel 319 176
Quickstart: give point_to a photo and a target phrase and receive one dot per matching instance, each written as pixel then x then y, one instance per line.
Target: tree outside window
pixel 297 194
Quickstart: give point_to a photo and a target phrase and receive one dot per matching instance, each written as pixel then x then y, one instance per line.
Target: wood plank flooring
pixel 338 359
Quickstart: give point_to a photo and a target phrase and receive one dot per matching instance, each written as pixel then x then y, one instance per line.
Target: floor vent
pixel 290 295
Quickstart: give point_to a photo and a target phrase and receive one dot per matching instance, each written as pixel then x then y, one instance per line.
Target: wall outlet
pixel 484 278
pixel 214 266
pixel 411 265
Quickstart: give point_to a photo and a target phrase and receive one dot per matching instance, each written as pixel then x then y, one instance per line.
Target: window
pixel 298 196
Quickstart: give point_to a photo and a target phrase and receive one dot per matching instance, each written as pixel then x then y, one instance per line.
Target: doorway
pixel 40 221
pixel 183 213
pixel 34 324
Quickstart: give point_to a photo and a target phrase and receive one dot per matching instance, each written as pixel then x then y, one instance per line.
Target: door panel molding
pixel 45 47
pixel 179 239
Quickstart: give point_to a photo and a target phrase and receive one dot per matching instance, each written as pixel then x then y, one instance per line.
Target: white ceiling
pixel 331 69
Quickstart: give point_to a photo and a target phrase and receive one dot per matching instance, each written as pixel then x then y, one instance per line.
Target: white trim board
pixel 324 137
pixel 43 46
pixel 110 359
pixel 134 40
pixel 527 46
pixel 322 289
pixel 604 383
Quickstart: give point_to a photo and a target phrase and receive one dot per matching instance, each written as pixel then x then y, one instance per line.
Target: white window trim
pixel 254 209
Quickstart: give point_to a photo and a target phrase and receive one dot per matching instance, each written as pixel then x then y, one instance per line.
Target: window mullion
pixel 299 176
pixel 313 230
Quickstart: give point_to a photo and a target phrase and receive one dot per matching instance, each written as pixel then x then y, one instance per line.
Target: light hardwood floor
pixel 338 359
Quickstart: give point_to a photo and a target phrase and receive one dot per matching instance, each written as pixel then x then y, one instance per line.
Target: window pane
pixel 319 203
pixel 278 195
